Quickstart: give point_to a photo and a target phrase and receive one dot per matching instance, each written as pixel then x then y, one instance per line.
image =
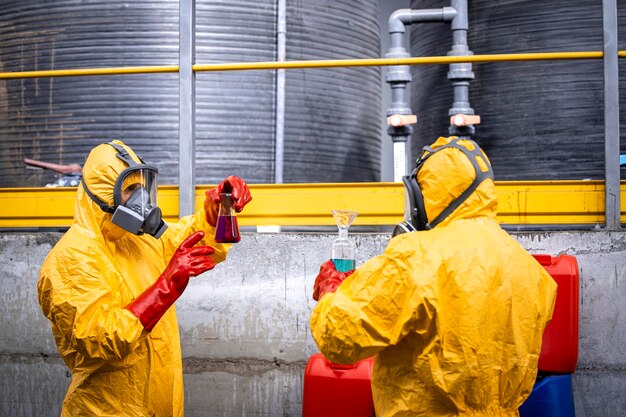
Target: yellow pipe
pixel 621 54
pixel 398 61
pixel 520 202
pixel 89 71
pixel 235 66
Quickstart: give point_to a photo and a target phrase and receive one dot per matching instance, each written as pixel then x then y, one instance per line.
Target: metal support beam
pixel 187 108
pixel 519 203
pixel 281 48
pixel 611 115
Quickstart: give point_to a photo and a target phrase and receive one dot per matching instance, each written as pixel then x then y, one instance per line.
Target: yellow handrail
pixel 375 62
pixel 89 71
pixel 237 66
pixel 520 202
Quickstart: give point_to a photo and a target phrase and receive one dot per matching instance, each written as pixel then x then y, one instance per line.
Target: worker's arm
pixel 177 232
pixel 206 218
pixel 86 311
pixel 375 307
pixel 188 261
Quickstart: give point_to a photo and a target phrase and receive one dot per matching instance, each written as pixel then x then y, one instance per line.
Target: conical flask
pixel 226 229
pixel 343 249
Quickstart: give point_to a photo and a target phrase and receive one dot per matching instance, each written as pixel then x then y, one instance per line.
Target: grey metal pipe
pixel 402 17
pixel 281 41
pixel 460 74
pixel 611 116
pixel 398 77
pixel 187 109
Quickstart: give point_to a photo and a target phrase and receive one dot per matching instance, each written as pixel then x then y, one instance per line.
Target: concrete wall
pixel 244 325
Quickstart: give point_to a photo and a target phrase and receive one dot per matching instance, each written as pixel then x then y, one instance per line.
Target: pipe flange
pixel 397 120
pixel 400 133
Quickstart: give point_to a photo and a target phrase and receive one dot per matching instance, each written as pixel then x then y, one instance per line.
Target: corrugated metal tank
pixel 540 120
pixel 332 122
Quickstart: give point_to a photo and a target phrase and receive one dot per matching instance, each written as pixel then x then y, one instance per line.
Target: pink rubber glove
pixel 188 261
pixel 240 196
pixel 328 279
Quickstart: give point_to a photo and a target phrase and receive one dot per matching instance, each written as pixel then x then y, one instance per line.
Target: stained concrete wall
pixel 244 325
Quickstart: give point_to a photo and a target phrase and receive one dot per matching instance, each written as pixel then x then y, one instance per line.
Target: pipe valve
pixel 464 120
pixel 397 120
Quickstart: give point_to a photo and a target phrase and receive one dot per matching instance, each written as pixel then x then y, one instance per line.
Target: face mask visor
pixel 135 198
pixel 134 179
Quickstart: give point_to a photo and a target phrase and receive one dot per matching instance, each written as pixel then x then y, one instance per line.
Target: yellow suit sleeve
pixel 179 231
pixel 375 307
pixel 87 314
pixel 548 299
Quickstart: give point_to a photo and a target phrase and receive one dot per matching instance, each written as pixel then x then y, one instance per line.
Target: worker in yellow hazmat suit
pixel 454 310
pixel 108 285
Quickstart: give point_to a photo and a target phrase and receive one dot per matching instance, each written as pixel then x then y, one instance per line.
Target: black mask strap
pixel 481 176
pixel 103 206
pixel 418 216
pixel 123 154
pixel 417 197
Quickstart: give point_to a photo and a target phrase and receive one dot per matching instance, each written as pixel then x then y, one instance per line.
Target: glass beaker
pixel 226 229
pixel 343 249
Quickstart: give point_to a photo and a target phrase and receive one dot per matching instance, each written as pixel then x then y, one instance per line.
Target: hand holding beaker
pixel 328 279
pixel 239 192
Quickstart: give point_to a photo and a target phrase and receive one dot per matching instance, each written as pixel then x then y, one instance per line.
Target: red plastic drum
pixel 332 390
pixel 559 348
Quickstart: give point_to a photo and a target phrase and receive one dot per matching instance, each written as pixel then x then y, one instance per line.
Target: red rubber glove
pixel 328 279
pixel 240 196
pixel 188 261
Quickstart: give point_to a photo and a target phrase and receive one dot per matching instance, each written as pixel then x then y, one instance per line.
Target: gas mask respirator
pixel 134 198
pixel 415 216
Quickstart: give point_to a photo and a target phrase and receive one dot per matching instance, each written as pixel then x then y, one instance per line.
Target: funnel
pixel 344 218
pixel 343 249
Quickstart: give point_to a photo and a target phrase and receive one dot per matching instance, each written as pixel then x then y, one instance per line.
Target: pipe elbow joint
pixel 402 17
pixel 397 20
pixel 448 14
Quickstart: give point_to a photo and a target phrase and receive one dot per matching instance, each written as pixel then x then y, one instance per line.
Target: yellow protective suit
pixel 91 274
pixel 454 314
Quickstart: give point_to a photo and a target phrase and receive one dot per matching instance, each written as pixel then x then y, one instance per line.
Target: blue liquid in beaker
pixel 343 265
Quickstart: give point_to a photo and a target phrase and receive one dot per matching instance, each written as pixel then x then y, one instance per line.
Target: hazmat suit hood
pixel 101 170
pixel 447 173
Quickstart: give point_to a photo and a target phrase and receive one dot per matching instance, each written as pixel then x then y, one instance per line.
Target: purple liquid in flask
pixel 226 229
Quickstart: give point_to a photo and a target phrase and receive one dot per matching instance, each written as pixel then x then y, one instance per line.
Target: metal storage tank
pixel 332 128
pixel 540 120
